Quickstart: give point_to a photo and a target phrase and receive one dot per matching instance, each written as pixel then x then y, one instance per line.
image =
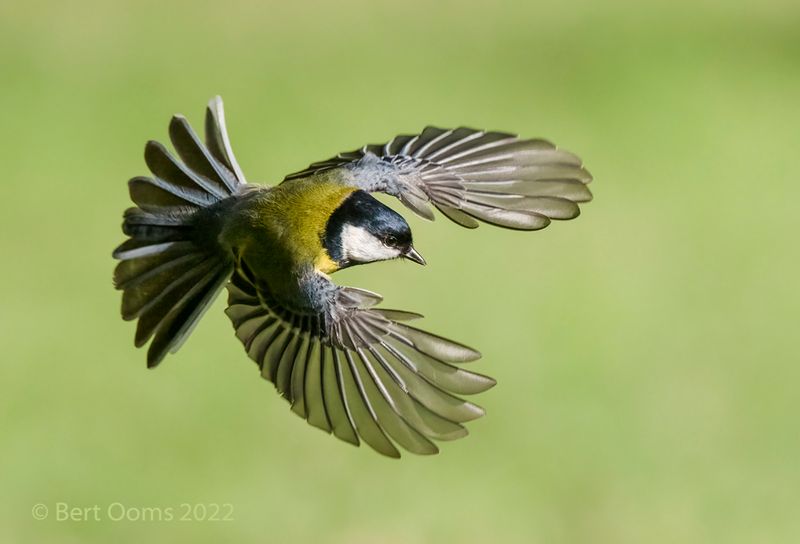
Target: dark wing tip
pixel 154 359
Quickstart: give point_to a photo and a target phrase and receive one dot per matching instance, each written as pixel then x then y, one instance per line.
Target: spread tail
pixel 172 266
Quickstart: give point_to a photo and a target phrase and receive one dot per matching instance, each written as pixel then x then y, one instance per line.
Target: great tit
pixel 345 365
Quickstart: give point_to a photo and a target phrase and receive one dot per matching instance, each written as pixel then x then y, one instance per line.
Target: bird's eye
pixel 390 240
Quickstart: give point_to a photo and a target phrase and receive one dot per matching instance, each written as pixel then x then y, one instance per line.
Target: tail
pixel 172 266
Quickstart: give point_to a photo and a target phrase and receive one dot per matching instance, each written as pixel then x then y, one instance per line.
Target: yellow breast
pixel 325 264
pixel 307 204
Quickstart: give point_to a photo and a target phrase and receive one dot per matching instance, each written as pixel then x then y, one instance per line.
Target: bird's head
pixel 362 230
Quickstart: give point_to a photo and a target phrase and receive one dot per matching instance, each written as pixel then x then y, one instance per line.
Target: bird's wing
pixel 469 175
pixel 357 371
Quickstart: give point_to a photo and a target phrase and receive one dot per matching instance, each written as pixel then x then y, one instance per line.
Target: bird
pixel 345 364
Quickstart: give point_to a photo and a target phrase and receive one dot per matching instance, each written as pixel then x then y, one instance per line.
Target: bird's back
pixel 277 230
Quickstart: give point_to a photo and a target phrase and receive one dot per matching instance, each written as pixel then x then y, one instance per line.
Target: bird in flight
pixel 345 364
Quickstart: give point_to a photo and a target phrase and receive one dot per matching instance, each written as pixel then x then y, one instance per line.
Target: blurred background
pixel 646 353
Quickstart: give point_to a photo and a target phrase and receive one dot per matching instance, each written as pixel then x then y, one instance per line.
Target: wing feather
pixel 312 389
pixel 283 374
pixel 297 380
pixel 386 411
pixel 341 422
pixel 360 409
pixel 412 410
pixel 465 173
pixel 358 371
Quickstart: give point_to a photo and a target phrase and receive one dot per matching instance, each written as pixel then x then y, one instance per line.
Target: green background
pixel 646 353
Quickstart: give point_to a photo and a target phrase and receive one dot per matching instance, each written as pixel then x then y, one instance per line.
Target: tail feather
pixel 197 156
pixel 181 320
pixel 163 165
pixel 171 267
pixel 133 272
pixel 163 289
pixel 217 140
pixel 155 194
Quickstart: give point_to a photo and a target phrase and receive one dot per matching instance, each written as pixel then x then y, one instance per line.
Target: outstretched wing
pixel 357 371
pixel 469 175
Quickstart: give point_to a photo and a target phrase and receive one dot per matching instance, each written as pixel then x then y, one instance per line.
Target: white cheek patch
pixel 358 245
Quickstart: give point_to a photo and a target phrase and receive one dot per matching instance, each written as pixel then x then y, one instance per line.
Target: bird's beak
pixel 413 255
